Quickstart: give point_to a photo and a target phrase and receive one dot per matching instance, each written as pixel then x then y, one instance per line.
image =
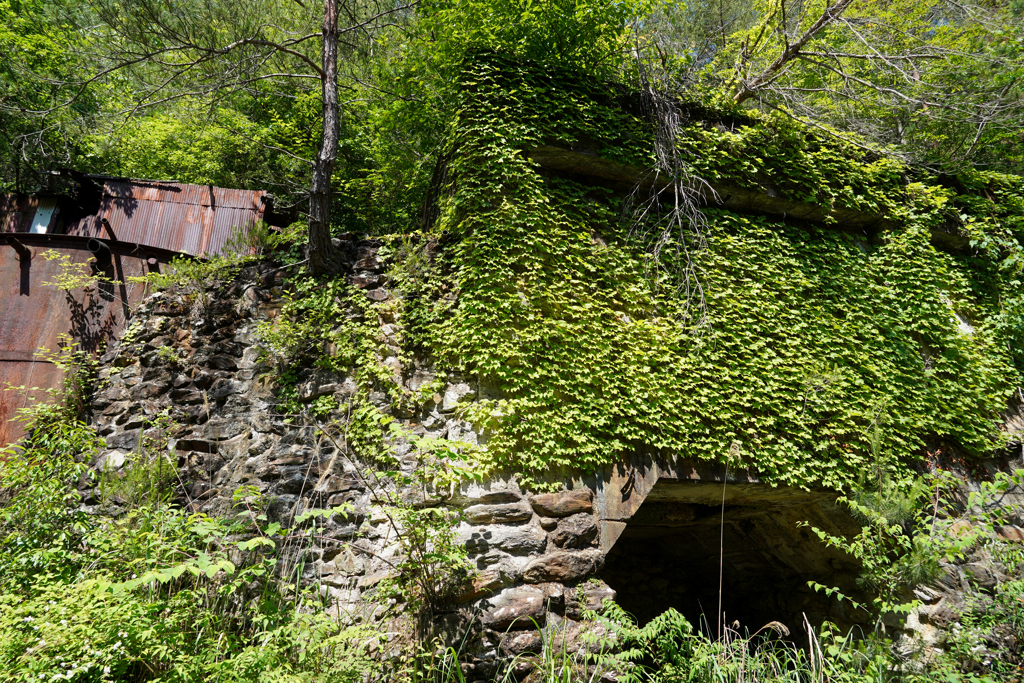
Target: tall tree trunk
pixel 321 251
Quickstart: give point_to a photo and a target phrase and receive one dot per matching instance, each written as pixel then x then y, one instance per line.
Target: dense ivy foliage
pixel 815 334
pixel 773 154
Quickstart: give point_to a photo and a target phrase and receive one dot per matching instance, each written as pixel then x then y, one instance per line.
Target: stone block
pixel 597 594
pixel 498 497
pixel 498 514
pixel 113 408
pixel 339 499
pixel 223 388
pixel 454 394
pixel 984 576
pixel 482 584
pixel 148 390
pixel 419 378
pixel 944 613
pixel 198 414
pixel 562 566
pixel 521 643
pixel 155 373
pixel 575 531
pixel 564 503
pixel 342 483
pixel 223 362
pixel 128 441
pixel 516 609
pixel 222 428
pixel 491 559
pixel 111 460
pixel 1013 534
pixel 157 342
pixel 194 444
pixel 234 447
pixel 372 580
pixel 368 262
pixel 130 421
pixel 321 383
pixel 153 326
pixel 345 564
pixel 296 483
pixel 513 540
pixel 150 359
pixel 366 281
pixel 186 396
pixel 554 596
pixel 204 380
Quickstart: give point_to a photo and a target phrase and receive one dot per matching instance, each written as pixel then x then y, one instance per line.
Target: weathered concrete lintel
pixel 733 198
pixel 620 490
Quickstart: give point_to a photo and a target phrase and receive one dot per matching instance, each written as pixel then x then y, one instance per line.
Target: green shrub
pixel 153 594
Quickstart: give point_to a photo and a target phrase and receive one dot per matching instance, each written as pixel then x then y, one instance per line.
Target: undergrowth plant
pixel 149 475
pixel 431 566
pixel 156 593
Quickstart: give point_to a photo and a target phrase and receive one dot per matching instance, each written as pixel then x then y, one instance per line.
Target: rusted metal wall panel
pixel 147 219
pixel 33 315
pixel 16 212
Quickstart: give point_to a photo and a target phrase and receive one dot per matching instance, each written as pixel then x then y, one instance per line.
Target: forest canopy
pixel 231 92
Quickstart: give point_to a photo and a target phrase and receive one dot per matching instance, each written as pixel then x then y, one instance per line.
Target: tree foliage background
pixel 227 92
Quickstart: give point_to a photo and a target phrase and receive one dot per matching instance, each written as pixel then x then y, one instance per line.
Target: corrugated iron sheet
pixel 170 217
pixel 195 219
pixel 33 315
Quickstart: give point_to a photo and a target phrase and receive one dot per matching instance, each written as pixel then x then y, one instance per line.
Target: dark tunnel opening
pixel 670 552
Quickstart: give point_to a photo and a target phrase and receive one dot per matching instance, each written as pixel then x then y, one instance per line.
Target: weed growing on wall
pixel 329 325
pixel 539 291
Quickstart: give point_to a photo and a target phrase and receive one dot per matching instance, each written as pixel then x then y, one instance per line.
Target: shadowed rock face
pixel 670 551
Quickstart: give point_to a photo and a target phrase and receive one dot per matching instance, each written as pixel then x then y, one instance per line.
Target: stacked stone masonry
pixel 537 556
pixel 200 364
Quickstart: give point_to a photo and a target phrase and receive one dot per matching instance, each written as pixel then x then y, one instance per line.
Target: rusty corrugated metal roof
pixel 196 219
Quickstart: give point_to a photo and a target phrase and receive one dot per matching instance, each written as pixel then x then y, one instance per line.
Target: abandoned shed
pixel 127 228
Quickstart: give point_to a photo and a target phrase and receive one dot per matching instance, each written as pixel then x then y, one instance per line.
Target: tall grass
pixel 670 650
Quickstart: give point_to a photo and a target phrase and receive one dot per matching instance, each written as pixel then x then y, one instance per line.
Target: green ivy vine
pixel 816 335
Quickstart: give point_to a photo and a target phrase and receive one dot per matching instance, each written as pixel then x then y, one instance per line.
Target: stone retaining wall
pixel 537 556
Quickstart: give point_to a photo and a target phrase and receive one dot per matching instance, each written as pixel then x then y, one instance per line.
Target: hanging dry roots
pixel 664 207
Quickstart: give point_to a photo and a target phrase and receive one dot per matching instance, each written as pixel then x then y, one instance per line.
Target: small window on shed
pixel 44 214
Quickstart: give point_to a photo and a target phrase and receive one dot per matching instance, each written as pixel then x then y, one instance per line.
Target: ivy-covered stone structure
pixel 613 434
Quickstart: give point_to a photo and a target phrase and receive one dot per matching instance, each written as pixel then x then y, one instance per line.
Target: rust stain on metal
pixel 34 316
pixel 16 212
